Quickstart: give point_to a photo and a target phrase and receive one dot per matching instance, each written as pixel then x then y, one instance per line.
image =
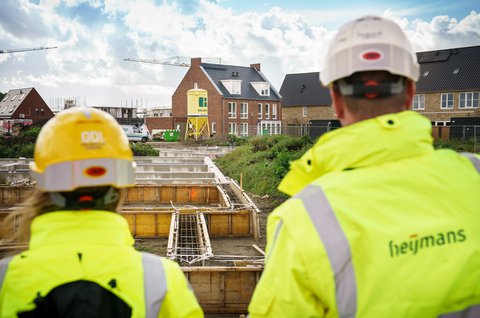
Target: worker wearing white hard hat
pixel 380 224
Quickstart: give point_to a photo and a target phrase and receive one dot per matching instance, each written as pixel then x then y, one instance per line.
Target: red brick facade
pixel 217 104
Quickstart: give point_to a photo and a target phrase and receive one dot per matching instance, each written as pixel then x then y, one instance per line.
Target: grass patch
pixel 263 161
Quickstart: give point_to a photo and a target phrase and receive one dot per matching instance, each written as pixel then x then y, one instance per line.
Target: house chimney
pixel 256 66
pixel 196 61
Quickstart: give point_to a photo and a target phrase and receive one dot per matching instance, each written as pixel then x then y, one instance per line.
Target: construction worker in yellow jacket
pixel 380 224
pixel 80 261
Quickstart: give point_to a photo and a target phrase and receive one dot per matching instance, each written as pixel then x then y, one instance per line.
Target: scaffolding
pixel 188 240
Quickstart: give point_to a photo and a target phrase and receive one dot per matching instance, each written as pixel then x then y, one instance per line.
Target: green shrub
pixel 143 150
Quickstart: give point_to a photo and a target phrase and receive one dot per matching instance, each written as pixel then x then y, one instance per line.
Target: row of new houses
pixel 242 101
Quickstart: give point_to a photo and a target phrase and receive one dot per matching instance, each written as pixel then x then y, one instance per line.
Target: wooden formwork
pixel 10 196
pixel 178 194
pixel 223 290
pixel 223 219
pixel 153 224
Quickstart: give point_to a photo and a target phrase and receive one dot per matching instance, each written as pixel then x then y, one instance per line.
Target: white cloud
pixel 89 59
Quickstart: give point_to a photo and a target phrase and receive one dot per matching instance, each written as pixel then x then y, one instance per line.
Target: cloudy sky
pixel 95 36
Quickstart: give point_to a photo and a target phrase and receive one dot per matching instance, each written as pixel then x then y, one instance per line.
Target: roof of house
pixel 456 69
pixel 12 100
pixel 304 89
pixel 247 74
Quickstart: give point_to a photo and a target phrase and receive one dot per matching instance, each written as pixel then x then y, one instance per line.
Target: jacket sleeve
pixel 180 301
pixel 283 289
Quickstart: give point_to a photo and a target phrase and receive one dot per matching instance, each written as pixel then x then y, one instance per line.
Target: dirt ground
pixel 239 246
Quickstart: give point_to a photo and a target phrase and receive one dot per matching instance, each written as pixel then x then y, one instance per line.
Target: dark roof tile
pixel 304 89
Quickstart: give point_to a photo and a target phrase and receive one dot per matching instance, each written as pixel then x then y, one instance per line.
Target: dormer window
pixel 234 87
pixel 14 96
pixel 262 88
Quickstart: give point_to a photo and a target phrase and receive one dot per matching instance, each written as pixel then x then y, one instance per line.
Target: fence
pixel 465 133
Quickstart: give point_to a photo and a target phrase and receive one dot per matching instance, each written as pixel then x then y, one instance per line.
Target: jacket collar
pixel 366 143
pixel 80 227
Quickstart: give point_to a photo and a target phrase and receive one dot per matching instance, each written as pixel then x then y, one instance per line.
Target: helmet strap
pixel 85 201
pixel 371 89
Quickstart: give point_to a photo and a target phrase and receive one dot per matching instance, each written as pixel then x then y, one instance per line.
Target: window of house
pixel 232 128
pixel 267 111
pixel 426 73
pixel 214 127
pixel 260 111
pixel 468 100
pixel 234 87
pixel 244 110
pixel 5 98
pixel 14 96
pixel 21 96
pixel 456 71
pixel 304 129
pixel 232 110
pixel 305 111
pixel 244 129
pixel 274 111
pixel 42 112
pixel 419 102
pixel 446 101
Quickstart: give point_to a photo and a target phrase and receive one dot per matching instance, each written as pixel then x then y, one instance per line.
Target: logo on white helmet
pixel 371 55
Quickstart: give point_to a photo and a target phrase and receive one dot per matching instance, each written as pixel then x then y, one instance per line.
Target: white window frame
pixel 418 102
pixel 260 110
pixel 244 129
pixel 232 110
pixel 243 110
pixel 267 111
pixel 274 111
pixel 305 111
pixel 468 99
pixel 447 100
pixel 232 128
pixel 214 127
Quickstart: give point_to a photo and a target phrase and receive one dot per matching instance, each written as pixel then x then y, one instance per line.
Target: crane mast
pixel 28 49
pixel 172 61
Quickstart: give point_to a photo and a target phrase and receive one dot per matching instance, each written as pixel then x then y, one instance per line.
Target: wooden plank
pixel 218 225
pixel 167 194
pixel 150 194
pixel 145 225
pixel 258 249
pixel 241 223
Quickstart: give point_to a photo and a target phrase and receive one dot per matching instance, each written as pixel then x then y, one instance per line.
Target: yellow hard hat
pixel 82 147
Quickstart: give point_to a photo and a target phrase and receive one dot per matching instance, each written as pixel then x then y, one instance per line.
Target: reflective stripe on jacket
pixel 379 225
pixel 93 247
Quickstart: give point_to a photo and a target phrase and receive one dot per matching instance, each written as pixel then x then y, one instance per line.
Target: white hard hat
pixel 369 44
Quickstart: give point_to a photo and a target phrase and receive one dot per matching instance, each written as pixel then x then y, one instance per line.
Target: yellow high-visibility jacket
pixel 83 264
pixel 380 225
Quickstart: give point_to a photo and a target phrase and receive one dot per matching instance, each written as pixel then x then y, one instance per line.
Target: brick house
pixel 304 99
pixel 241 100
pixel 449 84
pixel 25 103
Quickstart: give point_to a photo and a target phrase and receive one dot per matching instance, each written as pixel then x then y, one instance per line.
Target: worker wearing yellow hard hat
pixel 380 224
pixel 80 260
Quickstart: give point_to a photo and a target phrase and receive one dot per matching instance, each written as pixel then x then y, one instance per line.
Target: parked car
pixel 135 134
